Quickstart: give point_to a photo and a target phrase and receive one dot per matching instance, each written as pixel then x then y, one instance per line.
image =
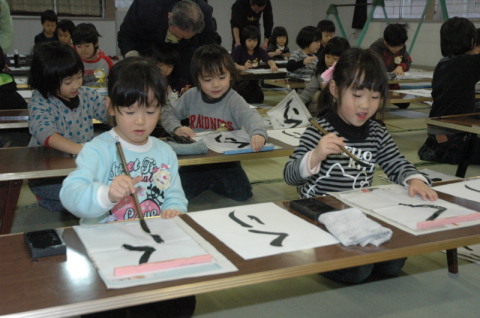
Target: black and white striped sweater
pixel 371 143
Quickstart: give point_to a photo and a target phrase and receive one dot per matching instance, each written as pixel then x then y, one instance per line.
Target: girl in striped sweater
pixel 356 92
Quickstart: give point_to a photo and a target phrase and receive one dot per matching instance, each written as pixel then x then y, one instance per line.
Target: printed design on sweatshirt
pixel 151 189
pixel 208 123
pixel 358 176
pixel 95 77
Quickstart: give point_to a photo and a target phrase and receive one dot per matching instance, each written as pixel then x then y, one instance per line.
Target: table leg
pixel 466 156
pixel 452 261
pixel 9 193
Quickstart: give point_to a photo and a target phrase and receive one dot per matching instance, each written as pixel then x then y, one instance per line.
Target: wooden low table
pixel 247 76
pixel 62 286
pixel 396 97
pixel 17 164
pixel 287 83
pixel 15 118
pixel 469 123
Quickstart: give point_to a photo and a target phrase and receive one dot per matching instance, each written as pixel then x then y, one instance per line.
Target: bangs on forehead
pixel 369 78
pixel 127 95
pixel 211 68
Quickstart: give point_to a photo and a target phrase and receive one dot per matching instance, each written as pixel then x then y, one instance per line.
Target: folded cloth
pixel 196 148
pixel 351 226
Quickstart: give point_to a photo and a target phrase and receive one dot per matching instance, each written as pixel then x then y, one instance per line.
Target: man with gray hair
pixel 181 25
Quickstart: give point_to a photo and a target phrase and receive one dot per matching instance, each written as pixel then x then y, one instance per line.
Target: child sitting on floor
pixel 97 63
pixel 99 190
pixel 453 92
pixel 211 105
pixel 64 31
pixel 249 55
pixel 61 111
pixel 49 20
pixel 278 45
pixel 330 55
pixel 356 92
pixel 303 60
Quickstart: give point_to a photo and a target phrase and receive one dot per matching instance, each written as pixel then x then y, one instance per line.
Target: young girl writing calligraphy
pixel 358 89
pixel 249 55
pixel 98 190
pixel 277 47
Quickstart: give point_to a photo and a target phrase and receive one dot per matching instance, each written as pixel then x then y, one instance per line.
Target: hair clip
pixel 328 74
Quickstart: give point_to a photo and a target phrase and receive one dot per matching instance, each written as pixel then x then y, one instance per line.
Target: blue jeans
pixel 227 179
pixel 47 192
pixel 358 274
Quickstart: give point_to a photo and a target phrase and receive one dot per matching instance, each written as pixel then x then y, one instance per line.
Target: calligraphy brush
pixel 143 224
pixel 324 132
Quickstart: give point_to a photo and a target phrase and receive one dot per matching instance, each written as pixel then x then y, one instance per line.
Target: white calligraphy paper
pixel 264 229
pixel 291 112
pixel 392 204
pixel 422 92
pixel 290 136
pixel 229 141
pixel 265 71
pixel 468 189
pixel 104 245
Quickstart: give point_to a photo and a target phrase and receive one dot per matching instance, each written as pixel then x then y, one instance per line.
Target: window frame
pixel 107 5
pixel 433 13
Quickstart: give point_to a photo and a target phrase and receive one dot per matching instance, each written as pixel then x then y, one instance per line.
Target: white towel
pixel 351 226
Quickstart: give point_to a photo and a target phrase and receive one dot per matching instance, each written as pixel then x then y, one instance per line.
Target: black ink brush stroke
pixel 276 242
pixel 436 214
pixel 148 250
pixel 254 218
pixel 234 218
pixel 294 134
pixel 287 120
pixel 470 188
pixel 229 140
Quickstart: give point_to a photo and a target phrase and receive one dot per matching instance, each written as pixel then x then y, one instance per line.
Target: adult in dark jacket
pixel 161 24
pixel 249 12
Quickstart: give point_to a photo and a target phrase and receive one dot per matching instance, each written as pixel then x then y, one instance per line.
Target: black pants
pixel 227 179
pixel 173 308
pixel 450 151
pixel 250 91
pixel 357 274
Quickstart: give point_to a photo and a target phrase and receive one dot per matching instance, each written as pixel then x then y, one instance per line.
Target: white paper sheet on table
pixel 227 141
pixel 104 242
pixel 290 136
pixel 27 93
pixel 265 71
pixel 415 74
pixel 383 203
pixel 291 112
pixel 21 79
pixel 468 189
pixel 422 92
pixel 240 229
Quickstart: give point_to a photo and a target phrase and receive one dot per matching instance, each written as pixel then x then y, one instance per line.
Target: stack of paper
pixel 392 204
pixel 184 253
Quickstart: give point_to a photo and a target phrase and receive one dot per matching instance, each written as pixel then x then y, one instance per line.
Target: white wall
pixel 292 14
